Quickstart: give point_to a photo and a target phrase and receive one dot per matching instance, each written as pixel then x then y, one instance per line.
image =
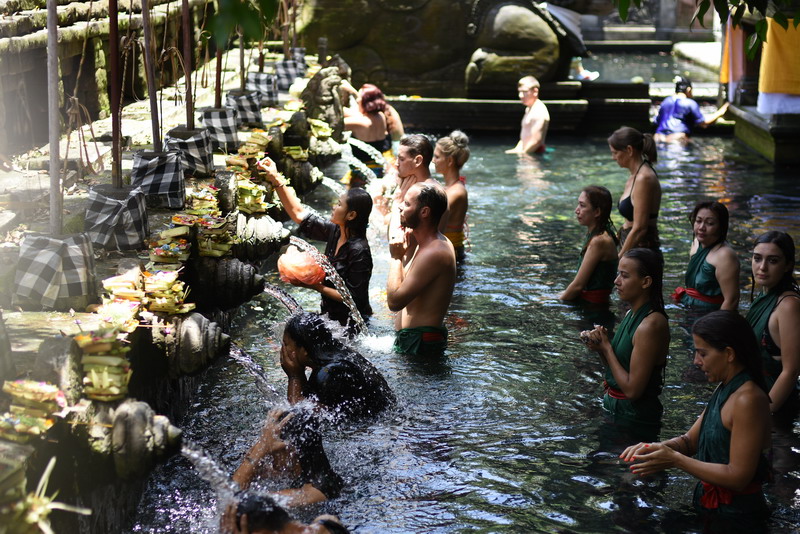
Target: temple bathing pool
pixel 507 434
pixel 623 66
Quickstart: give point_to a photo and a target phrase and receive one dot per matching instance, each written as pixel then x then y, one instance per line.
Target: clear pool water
pixel 507 434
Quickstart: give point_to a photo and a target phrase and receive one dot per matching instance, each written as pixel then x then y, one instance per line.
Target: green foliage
pixel 779 10
pixel 253 16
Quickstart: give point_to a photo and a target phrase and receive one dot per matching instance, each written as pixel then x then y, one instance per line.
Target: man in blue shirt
pixel 679 113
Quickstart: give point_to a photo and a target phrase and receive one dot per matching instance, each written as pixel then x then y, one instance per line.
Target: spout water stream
pixel 285 298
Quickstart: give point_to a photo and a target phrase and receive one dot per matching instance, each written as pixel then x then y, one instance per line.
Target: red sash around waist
pixel 596 296
pixel 432 337
pixel 713 495
pixel 692 292
pixel 614 393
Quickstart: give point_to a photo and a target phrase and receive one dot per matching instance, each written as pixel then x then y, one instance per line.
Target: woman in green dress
pixel 712 276
pixel 775 316
pixel 725 447
pixel 597 267
pixel 636 357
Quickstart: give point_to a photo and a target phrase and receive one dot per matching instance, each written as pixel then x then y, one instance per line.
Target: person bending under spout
pixel 420 287
pixel 291 444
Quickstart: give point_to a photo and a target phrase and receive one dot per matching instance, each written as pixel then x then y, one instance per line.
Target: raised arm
pixel 788 316
pixel 650 345
pixel 591 258
pixel 288 198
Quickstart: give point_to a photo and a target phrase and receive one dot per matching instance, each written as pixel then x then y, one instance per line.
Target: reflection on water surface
pixel 507 434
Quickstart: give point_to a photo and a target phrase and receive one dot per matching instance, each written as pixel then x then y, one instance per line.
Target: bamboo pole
pixel 242 72
pixel 54 125
pixel 218 80
pixel 116 94
pixel 150 74
pixel 186 21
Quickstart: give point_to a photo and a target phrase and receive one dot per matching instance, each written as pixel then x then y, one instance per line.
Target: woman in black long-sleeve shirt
pixel 347 248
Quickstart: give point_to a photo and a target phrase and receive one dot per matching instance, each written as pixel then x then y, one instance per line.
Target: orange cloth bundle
pixel 296 267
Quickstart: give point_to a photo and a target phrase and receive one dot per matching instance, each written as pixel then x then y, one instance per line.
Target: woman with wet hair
pixel 290 445
pixel 712 277
pixel 597 267
pixel 775 317
pixel 641 199
pixel 635 359
pixel 342 381
pixel 725 448
pixel 347 247
pixel 449 156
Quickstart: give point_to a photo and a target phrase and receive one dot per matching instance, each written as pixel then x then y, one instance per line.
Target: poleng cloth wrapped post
pixel 297 267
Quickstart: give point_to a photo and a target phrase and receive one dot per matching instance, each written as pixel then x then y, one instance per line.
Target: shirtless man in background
pixel 420 288
pixel 535 121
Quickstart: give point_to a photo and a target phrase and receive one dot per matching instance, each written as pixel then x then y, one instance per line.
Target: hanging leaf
pixel 781 20
pixel 722 9
pixel 700 13
pixel 752 46
pixel 738 13
pixel 622 7
pixel 761 30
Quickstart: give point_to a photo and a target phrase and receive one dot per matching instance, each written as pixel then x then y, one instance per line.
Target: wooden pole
pixel 218 80
pixel 150 74
pixel 54 125
pixel 242 72
pixel 186 21
pixel 116 95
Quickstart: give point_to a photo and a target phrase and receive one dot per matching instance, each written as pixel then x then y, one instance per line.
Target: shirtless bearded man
pixel 420 289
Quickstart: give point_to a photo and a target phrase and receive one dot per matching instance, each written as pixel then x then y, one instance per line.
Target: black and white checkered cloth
pixel 50 268
pixel 263 83
pixel 117 224
pixel 299 55
pixel 286 70
pixel 221 124
pixel 197 154
pixel 247 106
pixel 160 175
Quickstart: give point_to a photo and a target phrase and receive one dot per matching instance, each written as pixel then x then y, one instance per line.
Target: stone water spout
pixel 333 276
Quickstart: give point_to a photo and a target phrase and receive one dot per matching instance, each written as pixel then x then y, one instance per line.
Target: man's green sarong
pixel 421 340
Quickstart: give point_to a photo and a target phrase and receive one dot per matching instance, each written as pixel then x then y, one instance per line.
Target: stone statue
pixel 449 48
pixel 323 100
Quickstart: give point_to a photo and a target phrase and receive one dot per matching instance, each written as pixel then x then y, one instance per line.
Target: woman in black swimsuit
pixel 641 198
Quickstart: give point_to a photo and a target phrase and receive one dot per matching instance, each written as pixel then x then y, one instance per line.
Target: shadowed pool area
pixel 507 433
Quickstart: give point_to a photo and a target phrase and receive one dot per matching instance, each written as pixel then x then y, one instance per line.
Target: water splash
pixel 338 283
pixel 337 188
pixel 224 487
pixel 263 384
pixel 285 298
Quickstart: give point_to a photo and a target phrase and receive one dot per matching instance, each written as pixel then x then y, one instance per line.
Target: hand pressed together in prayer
pixel 595 339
